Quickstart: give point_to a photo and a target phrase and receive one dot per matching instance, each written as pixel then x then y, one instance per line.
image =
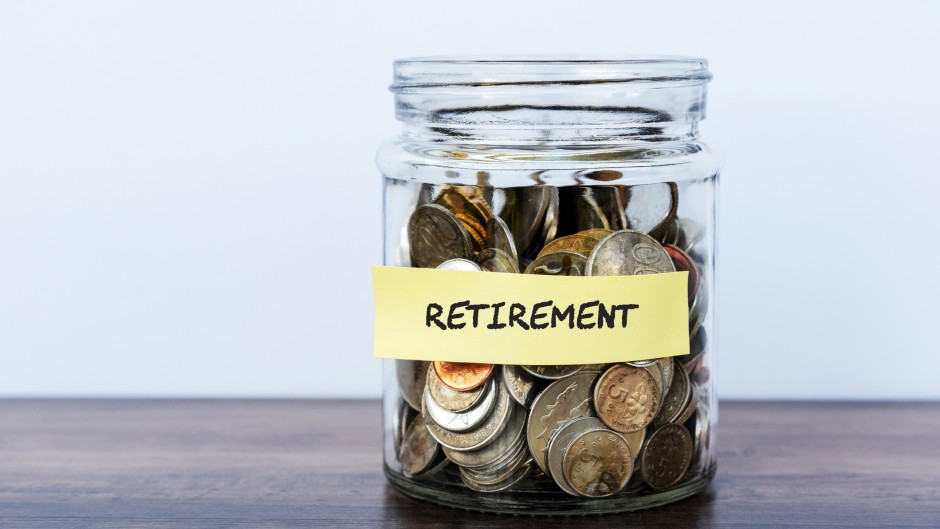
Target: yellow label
pixel 492 318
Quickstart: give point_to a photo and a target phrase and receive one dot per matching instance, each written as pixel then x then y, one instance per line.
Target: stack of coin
pixel 593 430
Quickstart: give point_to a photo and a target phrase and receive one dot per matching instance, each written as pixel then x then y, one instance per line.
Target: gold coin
pixel 627 398
pixel 579 244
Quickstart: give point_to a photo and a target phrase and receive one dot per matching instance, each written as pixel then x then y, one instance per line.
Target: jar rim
pixel 434 72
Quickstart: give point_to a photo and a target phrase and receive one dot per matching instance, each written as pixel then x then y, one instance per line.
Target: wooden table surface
pixel 273 463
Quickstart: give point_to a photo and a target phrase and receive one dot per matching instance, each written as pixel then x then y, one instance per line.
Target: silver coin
pixel 499 237
pixel 400 421
pixel 562 400
pixel 552 372
pixel 449 399
pixel 627 253
pixel 558 447
pixel 483 435
pixel 676 400
pixel 493 474
pixel 558 264
pixel 435 235
pixel 667 366
pixel 652 207
pixel 642 363
pixel 518 475
pixel 698 309
pixel 496 260
pixel 466 420
pixel 521 386
pixel 418 449
pixel 700 436
pixel 460 265
pixel 689 409
pixel 411 376
pixel 525 216
pixel 492 453
pixel 514 456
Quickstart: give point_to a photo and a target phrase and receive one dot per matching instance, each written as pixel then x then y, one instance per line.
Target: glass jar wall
pixel 555 167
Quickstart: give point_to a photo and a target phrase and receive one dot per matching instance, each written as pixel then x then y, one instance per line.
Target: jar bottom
pixel 544 503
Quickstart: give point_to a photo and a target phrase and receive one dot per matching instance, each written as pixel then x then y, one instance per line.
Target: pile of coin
pixel 593 430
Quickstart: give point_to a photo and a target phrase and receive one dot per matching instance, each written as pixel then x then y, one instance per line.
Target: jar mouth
pixel 419 74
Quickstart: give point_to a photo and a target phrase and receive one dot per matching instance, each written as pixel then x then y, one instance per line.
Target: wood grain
pixel 269 463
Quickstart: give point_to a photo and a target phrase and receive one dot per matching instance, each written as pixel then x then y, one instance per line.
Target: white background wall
pixel 189 203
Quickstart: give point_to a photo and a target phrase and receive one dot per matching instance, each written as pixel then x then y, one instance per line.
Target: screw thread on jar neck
pixel 550 102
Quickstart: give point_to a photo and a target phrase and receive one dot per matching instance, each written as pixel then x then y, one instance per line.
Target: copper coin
pixel 684 263
pixel 463 376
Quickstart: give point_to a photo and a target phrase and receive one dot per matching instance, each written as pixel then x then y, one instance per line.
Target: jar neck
pixel 574 135
pixel 550 102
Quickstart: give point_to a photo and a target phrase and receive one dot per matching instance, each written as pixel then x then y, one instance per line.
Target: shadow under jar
pixel 554 167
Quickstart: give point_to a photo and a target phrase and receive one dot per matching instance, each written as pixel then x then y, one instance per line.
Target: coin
pixel 509 440
pixel 598 463
pixel 460 265
pixel 418 448
pixel 690 406
pixel 558 447
pixel 465 420
pixel 697 345
pixel 499 237
pixel 521 386
pixel 652 207
pixel 683 263
pixel 483 435
pixel 436 235
pixel 577 243
pixel 701 435
pixel 518 475
pixel 667 367
pixel 627 253
pixel 495 260
pixel 463 376
pixel 626 398
pixel 596 233
pixel 562 400
pixel 666 456
pixel 552 372
pixel 558 264
pixel 676 400
pixel 412 377
pixel 449 399
pixel 470 208
pixel 527 216
pixel 439 464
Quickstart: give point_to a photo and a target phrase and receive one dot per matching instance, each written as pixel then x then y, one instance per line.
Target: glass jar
pixel 555 167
